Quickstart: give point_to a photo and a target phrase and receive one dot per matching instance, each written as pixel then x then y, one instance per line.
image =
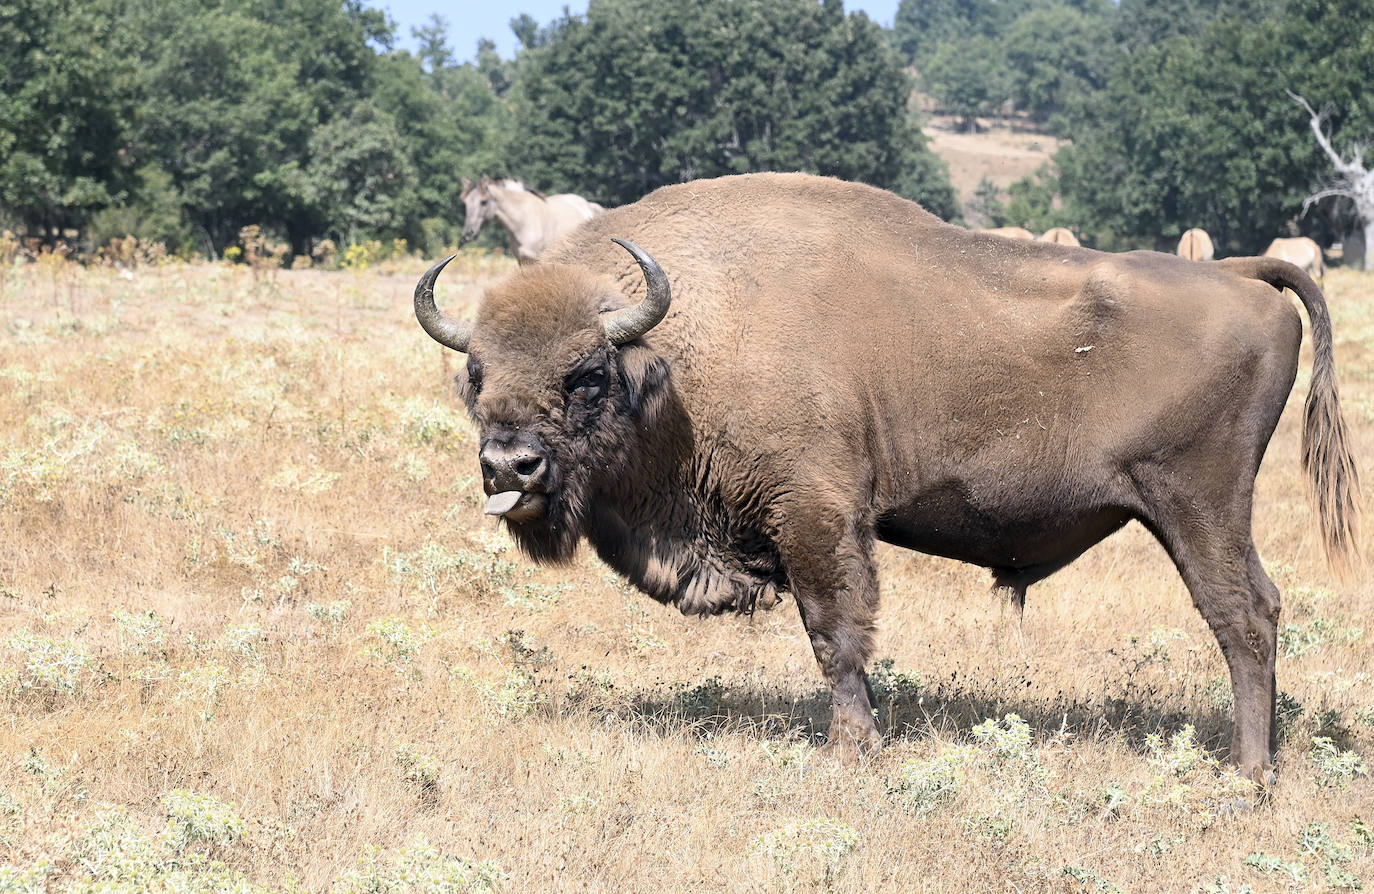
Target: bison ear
pixel 645 375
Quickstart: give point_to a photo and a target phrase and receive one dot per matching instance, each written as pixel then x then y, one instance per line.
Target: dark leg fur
pixel 832 575
pixel 1241 605
pixel 1223 572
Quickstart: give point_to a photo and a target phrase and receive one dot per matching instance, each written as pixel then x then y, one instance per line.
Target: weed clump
pixel 1009 739
pixel 1335 768
pixel 397 645
pixel 113 853
pixel 808 853
pixel 33 880
pixel 49 666
pixel 200 819
pixel 141 633
pixel 420 868
pixel 332 613
pixel 923 785
pixel 420 769
pixel 434 569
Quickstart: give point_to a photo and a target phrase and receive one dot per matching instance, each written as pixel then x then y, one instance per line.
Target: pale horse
pixel 1300 252
pixel 1059 236
pixel 1196 245
pixel 535 221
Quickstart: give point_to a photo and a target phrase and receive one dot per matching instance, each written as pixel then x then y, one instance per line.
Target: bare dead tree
pixel 1352 180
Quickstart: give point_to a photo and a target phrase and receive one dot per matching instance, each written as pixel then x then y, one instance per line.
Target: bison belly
pixel 1024 534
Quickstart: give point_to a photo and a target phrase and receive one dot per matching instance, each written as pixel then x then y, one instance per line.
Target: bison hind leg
pixel 1241 605
pixel 1219 563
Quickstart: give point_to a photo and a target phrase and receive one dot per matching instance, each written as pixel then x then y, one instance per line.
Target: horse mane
pixel 512 183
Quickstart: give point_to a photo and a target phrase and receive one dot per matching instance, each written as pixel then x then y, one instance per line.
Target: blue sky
pixel 468 21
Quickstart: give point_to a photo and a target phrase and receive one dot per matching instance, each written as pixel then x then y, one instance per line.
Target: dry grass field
pixel 256 634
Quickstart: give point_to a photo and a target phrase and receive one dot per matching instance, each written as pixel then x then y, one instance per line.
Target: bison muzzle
pixel 825 364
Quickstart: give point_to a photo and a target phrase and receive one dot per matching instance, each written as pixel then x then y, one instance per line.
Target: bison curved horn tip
pixel 441 327
pixel 630 323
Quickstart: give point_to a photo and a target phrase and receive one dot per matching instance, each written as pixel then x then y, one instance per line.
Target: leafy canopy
pixel 638 94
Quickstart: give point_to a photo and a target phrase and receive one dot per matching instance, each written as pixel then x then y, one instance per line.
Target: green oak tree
pixel 969 77
pixel 1057 57
pixel 922 27
pixel 638 94
pixel 67 103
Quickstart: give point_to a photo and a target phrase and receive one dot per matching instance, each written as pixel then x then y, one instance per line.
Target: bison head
pixel 559 383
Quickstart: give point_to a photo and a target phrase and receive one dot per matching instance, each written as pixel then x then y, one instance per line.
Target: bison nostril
pixel 528 466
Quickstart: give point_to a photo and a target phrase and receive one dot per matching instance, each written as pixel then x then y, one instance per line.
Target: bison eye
pixel 474 376
pixel 589 385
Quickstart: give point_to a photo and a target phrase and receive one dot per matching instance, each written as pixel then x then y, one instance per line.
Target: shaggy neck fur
pixel 630 475
pixel 661 522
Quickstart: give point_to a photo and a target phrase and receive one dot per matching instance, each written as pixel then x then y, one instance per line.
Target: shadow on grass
pixel 1146 702
pixel 909 711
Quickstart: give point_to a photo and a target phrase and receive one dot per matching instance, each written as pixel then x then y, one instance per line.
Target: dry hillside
pixel 1002 152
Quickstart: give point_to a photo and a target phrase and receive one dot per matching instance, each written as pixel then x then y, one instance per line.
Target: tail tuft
pixel 1333 481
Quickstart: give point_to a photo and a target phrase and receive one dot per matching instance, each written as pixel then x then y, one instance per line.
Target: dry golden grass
pixel 255 631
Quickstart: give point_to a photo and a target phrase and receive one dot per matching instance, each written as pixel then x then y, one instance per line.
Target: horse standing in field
pixel 1301 252
pixel 1059 236
pixel 1196 245
pixel 535 221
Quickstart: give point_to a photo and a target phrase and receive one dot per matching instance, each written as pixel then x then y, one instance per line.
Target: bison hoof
pixel 850 750
pixel 1263 779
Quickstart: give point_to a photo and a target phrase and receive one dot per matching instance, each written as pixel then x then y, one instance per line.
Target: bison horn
pixel 630 323
pixel 441 327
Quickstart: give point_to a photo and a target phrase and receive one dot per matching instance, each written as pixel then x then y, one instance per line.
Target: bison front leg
pixel 835 584
pixel 853 725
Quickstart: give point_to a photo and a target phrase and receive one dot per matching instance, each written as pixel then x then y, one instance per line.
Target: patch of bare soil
pixel 1000 151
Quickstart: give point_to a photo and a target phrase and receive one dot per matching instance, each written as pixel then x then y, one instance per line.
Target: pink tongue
pixel 500 504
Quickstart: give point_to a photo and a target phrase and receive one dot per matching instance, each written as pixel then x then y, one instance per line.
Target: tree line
pixel 183 121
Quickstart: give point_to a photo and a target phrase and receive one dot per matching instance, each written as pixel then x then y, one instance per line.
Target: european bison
pixel 801 366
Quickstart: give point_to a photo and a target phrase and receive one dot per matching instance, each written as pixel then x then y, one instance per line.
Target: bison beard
pixel 841 366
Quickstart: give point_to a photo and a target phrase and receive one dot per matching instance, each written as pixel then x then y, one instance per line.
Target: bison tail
pixel 1333 480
